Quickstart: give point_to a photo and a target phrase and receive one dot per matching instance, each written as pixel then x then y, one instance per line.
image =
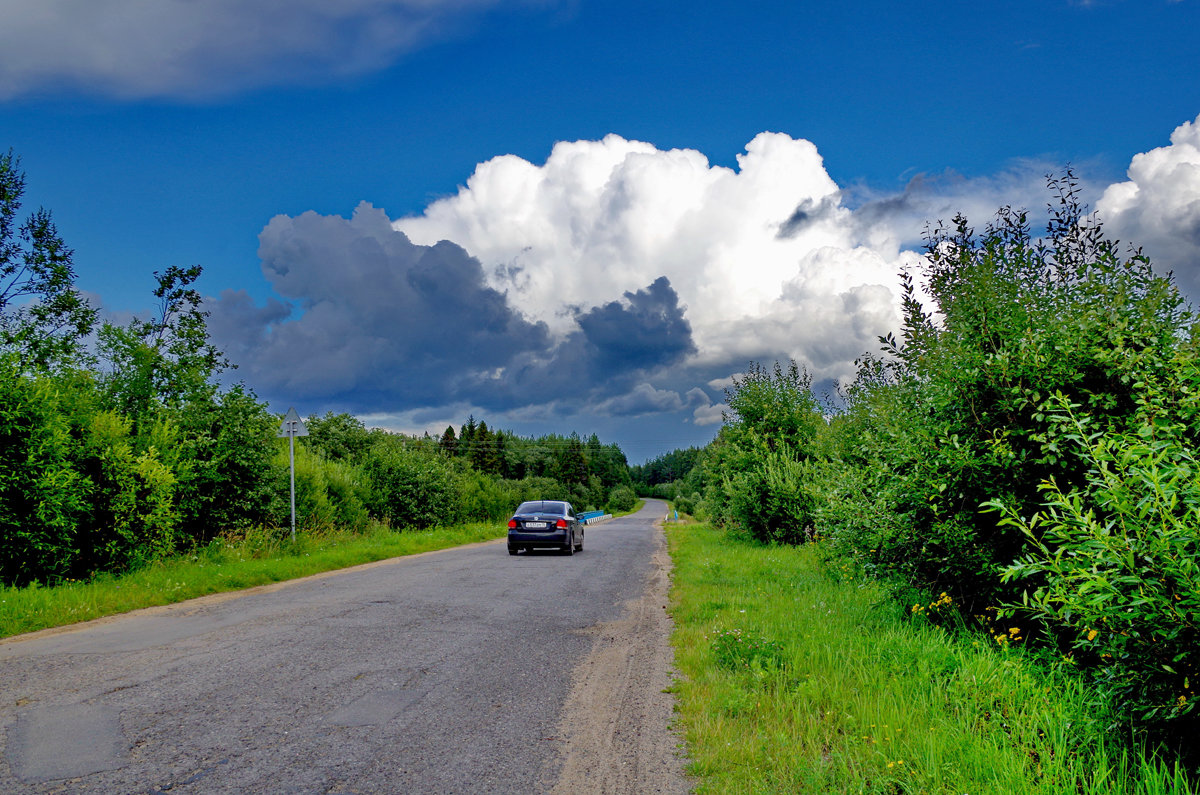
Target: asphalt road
pixel 441 673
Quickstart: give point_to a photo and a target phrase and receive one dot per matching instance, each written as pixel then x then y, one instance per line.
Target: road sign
pixel 292 425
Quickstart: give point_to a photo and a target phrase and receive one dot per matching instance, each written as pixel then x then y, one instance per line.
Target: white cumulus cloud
pixel 624 282
pixel 709 415
pixel 185 48
pixel 765 257
pixel 1158 208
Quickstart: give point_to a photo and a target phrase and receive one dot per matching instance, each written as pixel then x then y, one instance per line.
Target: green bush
pixel 485 497
pixel 1030 441
pixel 78 493
pixel 621 499
pixel 338 437
pixel 1114 569
pixel 132 516
pixel 412 487
pixel 43 497
pixel 960 412
pixel 329 494
pixel 227 478
pixel 769 499
pixel 688 503
pixel 755 470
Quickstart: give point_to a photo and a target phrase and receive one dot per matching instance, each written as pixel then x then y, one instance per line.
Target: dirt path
pixel 617 718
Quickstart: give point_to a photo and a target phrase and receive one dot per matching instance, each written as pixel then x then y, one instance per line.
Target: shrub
pixel 42 494
pixel 329 494
pixel 1115 566
pixel 754 471
pixel 621 499
pixel 960 413
pixel 412 487
pixel 769 498
pixel 132 514
pixel 688 503
pixel 227 477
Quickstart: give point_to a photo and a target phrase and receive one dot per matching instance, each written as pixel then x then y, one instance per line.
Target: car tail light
pixel 561 524
pixel 512 524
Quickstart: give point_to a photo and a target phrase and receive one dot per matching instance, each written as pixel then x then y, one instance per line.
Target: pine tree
pixel 448 444
pixel 466 439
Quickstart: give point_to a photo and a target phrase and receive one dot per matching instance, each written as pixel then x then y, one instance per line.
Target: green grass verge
pixel 796 680
pixel 218 568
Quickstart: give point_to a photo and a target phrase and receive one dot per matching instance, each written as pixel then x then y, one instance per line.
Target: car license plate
pixel 535 525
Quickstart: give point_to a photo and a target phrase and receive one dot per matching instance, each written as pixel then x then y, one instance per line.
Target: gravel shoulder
pixel 617 719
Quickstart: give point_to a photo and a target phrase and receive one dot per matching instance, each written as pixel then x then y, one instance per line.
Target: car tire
pixel 512 550
pixel 579 546
pixel 570 548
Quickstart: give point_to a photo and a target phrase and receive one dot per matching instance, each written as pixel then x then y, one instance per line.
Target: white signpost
pixel 292 427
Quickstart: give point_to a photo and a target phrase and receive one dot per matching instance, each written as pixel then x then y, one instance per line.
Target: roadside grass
pixel 255 559
pixel 796 678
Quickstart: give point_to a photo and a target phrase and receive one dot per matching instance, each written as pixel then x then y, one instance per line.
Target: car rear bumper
pixel 550 538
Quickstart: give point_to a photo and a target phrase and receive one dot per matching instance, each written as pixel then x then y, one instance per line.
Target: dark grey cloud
pixel 614 346
pixel 646 399
pixel 376 318
pixel 807 213
pixel 371 322
pixel 647 330
pixel 237 321
pixel 643 399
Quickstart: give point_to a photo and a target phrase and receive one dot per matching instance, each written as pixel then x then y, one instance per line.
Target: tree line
pixel 119 445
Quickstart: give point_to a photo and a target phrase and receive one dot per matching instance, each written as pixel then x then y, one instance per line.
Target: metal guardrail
pixel 590 517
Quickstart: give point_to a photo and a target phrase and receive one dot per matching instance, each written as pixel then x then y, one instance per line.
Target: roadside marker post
pixel 292 427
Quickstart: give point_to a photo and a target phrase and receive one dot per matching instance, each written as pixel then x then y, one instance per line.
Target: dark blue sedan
pixel 545 523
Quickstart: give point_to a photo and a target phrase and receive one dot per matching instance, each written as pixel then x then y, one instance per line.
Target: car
pixel 545 523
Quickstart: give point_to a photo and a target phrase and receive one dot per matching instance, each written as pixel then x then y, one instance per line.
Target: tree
pixel 668 467
pixel 759 462
pixel 43 497
pixel 412 487
pixel 43 318
pixel 775 405
pixel 339 437
pixel 572 463
pixel 483 449
pixel 964 409
pixel 227 475
pixel 467 437
pixel 168 359
pixel 448 442
pixel 164 369
pixel 500 445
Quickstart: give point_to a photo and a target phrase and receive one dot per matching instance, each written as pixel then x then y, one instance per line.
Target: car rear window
pixel 543 506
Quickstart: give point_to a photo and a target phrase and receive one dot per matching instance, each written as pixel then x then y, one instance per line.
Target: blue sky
pixel 614 282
